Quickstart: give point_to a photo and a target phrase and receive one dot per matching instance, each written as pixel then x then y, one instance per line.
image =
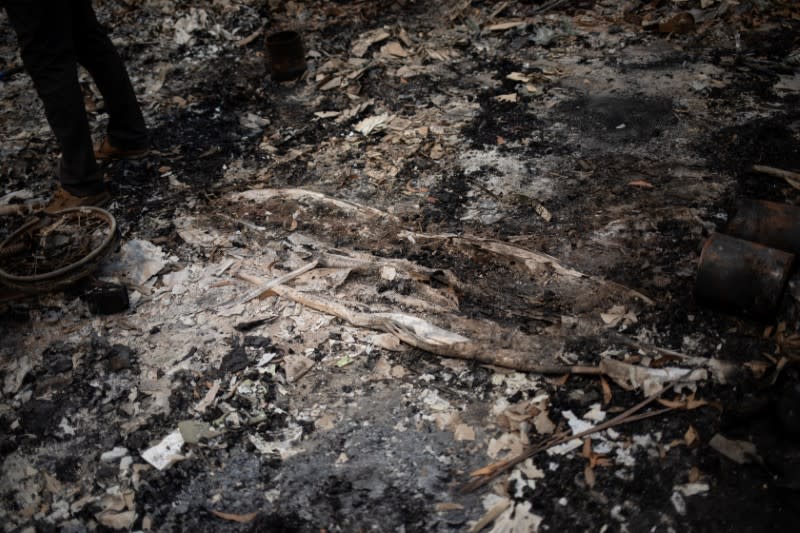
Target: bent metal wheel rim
pixel 87 220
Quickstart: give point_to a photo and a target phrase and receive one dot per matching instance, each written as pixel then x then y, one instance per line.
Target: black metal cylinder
pixel 769 223
pixel 741 277
pixel 287 57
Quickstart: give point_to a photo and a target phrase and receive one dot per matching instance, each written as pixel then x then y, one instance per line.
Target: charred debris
pixel 455 266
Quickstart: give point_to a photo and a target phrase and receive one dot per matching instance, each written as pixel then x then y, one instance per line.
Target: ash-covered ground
pixel 470 186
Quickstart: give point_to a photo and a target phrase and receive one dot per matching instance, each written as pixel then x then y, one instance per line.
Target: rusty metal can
pixel 742 277
pixel 770 223
pixel 286 54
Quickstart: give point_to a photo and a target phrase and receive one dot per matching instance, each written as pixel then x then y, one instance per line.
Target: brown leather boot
pixel 105 151
pixel 64 200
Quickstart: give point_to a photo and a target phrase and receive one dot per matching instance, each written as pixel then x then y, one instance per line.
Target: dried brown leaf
pixel 665 360
pixel 662 452
pixel 333 83
pixel 691 437
pixel 491 515
pixel 607 394
pixel 688 404
pixel 510 97
pixel 444 507
pixel 367 39
pixel 241 518
pixel 587 448
pixel 694 404
pixel 739 451
pixel 588 475
pixel 543 424
pixel 673 404
pixel 502 26
pixel 519 76
pixel 464 432
pixel 488 469
pixel 758 368
pixel 394 48
pixel 599 460
pixel 113 520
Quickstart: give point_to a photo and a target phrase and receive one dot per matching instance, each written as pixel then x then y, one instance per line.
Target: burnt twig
pixel 628 416
pixel 792 178
pixel 421 334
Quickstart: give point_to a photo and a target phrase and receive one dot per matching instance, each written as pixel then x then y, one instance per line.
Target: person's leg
pixel 126 127
pixel 44 32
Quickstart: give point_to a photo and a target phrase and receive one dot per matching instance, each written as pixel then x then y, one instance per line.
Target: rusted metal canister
pixel 741 277
pixel 770 223
pixel 287 56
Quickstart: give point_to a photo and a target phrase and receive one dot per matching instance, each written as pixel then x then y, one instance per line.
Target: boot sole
pixel 117 157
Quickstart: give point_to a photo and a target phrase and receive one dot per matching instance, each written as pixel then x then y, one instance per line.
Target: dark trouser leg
pixel 44 31
pixel 126 128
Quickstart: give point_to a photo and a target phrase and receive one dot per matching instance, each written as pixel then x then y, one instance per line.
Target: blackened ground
pixel 748 497
pixel 770 142
pixel 500 119
pixel 194 142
